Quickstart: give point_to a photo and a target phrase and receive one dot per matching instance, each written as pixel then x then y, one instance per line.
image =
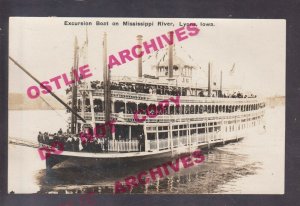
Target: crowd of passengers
pixel 65 141
pixel 161 90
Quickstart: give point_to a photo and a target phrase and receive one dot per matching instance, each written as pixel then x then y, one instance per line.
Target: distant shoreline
pixel 14 109
pixel 19 102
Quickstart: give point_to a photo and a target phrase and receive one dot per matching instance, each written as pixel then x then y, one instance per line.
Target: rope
pixel 53 109
pixel 190 56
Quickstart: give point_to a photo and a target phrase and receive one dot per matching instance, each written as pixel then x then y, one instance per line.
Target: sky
pixel 257 48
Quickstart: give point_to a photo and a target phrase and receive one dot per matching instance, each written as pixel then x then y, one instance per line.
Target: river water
pixel 254 165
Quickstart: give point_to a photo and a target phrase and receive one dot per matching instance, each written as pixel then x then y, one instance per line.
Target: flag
pixel 164 57
pixel 156 54
pixel 232 69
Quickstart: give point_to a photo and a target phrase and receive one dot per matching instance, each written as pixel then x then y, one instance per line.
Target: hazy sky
pixel 45 47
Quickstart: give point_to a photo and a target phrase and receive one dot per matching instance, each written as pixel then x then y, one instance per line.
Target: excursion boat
pixel 205 116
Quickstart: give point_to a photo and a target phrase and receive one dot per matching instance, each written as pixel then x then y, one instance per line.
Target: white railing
pixel 176 117
pixel 152 144
pixel 195 139
pixel 175 141
pixel 123 146
pixel 182 140
pixel 163 144
pixel 201 138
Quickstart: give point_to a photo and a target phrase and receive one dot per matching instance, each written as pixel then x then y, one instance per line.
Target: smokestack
pixel 74 88
pixel 209 79
pixel 105 66
pixel 107 91
pixel 140 68
pixel 171 33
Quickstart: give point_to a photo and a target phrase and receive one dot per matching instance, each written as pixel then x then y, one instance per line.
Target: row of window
pixel 196 109
pixel 163 134
pixel 198 125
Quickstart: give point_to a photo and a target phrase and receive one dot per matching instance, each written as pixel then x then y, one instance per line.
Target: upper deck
pixel 149 95
pixel 194 105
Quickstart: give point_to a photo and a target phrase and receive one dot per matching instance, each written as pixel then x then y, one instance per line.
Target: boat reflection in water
pixel 218 167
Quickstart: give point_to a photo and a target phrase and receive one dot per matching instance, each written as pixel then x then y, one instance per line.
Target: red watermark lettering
pixel 46 87
pixel 159 172
pixel 159 42
pixel 45 151
pixel 89 137
pixel 152 110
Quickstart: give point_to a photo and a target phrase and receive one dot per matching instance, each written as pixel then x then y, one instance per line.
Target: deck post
pixel 189 135
pixel 129 133
pixel 222 131
pixel 171 136
pixel 178 137
pixel 146 139
pixel 83 104
pixel 213 130
pixel 206 134
pixel 92 108
pixel 113 106
pixel 234 129
pixel 157 139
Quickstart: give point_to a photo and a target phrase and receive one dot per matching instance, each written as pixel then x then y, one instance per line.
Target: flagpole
pixel 221 82
pixel 209 79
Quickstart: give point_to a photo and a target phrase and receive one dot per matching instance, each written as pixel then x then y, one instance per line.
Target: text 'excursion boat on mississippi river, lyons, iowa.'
pixel 136 121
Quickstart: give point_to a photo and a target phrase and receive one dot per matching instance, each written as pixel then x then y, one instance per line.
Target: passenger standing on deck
pixel 106 144
pixel 55 137
pixel 76 143
pixel 99 145
pixel 93 145
pixel 140 142
pixel 40 137
pixel 72 142
pixel 143 143
pixel 150 90
pixel 46 138
pixel 83 142
pixel 69 143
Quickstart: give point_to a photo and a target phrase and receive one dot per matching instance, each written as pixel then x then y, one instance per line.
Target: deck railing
pixel 194 139
pixel 156 97
pixel 121 117
pixel 121 145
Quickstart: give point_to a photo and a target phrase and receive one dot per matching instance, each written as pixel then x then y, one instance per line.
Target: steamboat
pixel 206 116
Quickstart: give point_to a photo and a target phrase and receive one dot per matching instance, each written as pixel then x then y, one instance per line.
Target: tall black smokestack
pixel 140 68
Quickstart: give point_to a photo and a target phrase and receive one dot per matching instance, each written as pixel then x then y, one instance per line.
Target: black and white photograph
pixel 146 106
